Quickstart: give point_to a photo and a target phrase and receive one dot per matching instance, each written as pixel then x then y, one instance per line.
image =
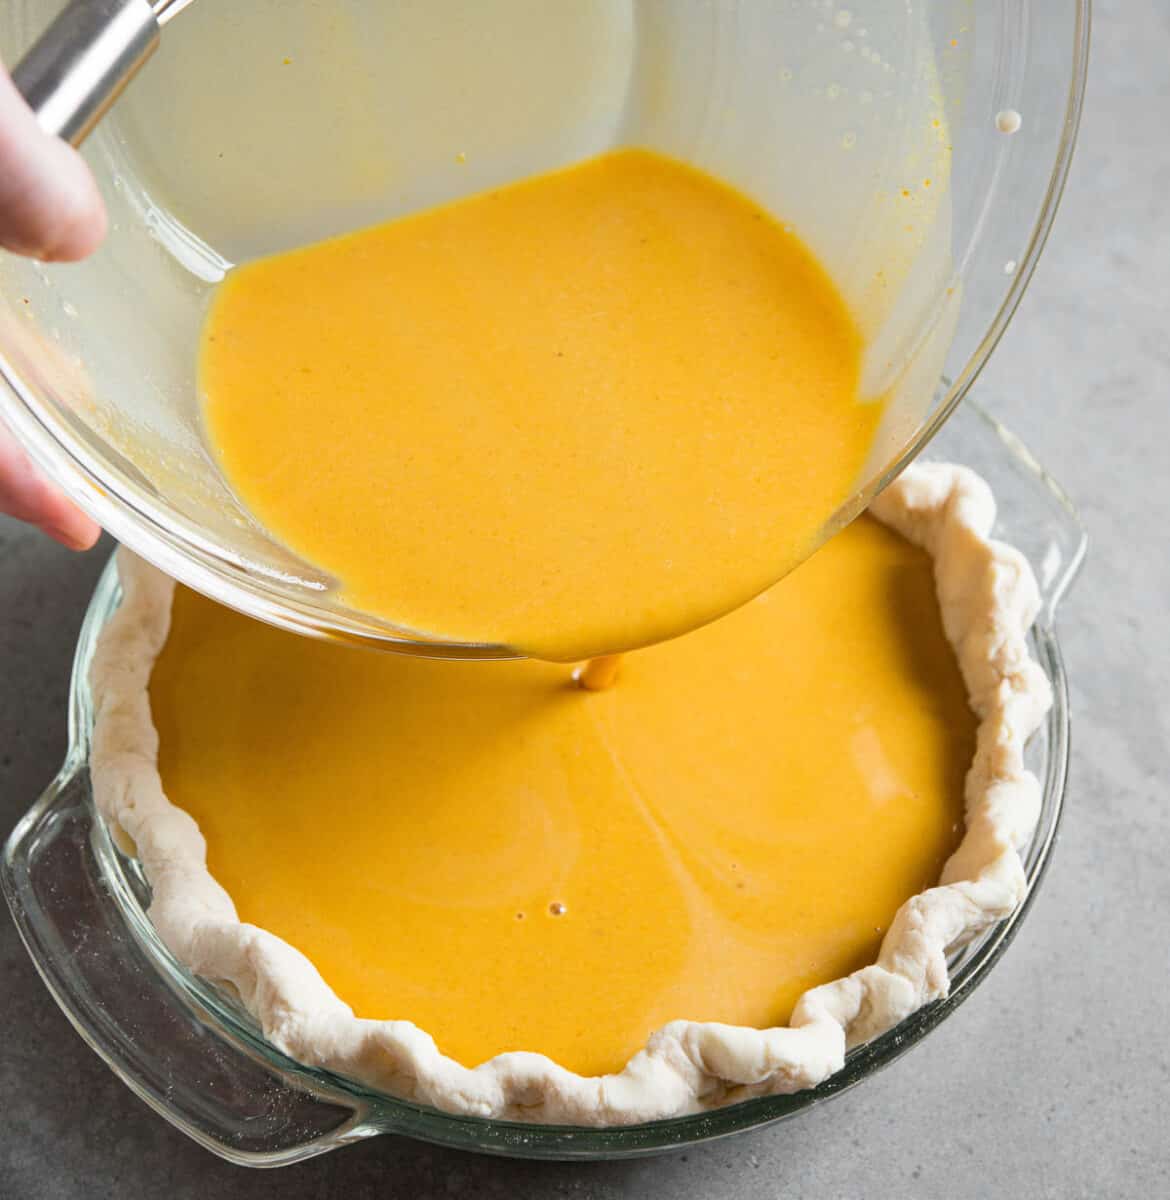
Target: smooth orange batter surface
pixel 577 414
pixel 515 863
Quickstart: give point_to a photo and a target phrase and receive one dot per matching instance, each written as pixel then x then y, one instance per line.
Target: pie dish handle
pixel 217 1089
pixel 1035 514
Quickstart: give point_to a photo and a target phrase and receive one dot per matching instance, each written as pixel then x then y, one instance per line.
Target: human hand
pixel 51 209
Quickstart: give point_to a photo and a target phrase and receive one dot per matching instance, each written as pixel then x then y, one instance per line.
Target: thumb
pixel 50 206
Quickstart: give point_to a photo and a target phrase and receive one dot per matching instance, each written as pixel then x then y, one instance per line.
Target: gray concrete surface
pixel 1053 1080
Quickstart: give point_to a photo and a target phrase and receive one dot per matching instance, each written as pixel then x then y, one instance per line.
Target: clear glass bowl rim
pixel 173 544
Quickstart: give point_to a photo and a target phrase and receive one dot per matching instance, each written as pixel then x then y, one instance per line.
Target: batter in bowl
pixel 582 413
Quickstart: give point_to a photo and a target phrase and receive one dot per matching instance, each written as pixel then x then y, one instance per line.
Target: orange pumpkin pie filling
pixel 514 863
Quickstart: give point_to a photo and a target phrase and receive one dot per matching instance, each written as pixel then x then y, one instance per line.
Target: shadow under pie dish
pixel 687 1066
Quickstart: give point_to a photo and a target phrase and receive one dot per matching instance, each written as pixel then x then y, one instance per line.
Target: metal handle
pixel 80 64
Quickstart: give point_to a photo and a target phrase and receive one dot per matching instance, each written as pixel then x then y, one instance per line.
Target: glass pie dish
pixel 188 1048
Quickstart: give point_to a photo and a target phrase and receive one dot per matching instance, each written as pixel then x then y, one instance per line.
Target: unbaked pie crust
pixel 988 599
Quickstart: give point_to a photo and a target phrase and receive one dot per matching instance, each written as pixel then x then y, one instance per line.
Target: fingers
pixel 50 206
pixel 26 496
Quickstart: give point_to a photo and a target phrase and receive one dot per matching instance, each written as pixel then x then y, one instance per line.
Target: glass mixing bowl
pixel 868 125
pixel 195 1056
